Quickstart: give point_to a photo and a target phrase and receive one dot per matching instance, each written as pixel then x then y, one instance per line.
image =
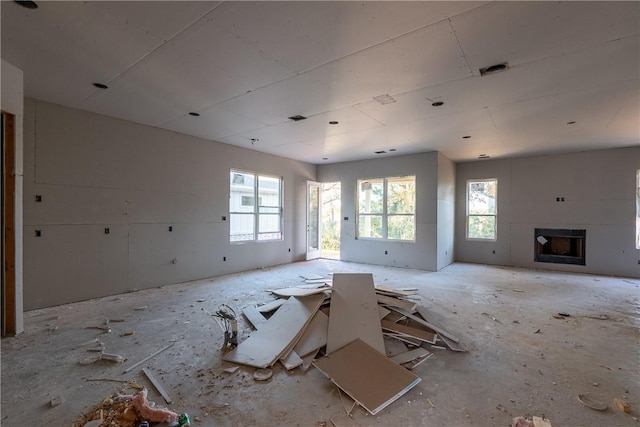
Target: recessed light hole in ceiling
pixel 194 114
pixel 333 122
pixel 466 137
pixel 297 118
pixel 572 122
pixel 101 86
pixel 437 104
pixel 379 152
pixel 254 140
pixel 483 156
pixel 493 69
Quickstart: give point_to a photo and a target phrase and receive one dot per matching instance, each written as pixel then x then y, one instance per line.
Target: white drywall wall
pixel 446 210
pixel 599 191
pixel 420 254
pixel 95 172
pixel 13 102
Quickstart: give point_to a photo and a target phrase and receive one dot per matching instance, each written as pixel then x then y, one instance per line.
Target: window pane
pixel 482 227
pixel 401 227
pixel 269 223
pixel 401 195
pixel 242 227
pixel 268 191
pixel 370 226
pixel 370 193
pixel 482 197
pixel 241 193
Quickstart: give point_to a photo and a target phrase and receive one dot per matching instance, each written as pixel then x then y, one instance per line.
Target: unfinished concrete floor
pixel 511 368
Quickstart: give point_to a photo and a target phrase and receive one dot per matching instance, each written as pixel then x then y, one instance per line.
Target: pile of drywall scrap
pixel 358 334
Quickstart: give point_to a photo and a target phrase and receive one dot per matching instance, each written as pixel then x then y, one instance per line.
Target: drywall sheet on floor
pixel 315 336
pixel 299 292
pixel 275 337
pixel 354 312
pixel 370 378
pixel 421 334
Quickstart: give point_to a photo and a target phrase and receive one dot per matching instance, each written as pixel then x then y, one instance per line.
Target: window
pixel 482 209
pixel 251 221
pixel 386 208
pixel 638 209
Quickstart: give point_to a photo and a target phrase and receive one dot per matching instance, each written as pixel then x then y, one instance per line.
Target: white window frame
pixel 385 214
pixel 257 207
pixel 494 215
pixel 638 209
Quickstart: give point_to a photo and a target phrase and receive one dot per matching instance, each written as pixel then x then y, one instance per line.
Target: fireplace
pixel 560 246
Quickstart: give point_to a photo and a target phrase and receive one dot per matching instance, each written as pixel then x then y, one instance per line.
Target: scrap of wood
pixel 541 422
pixel 409 340
pixel 254 316
pixel 270 306
pixel 135 365
pixel 278 336
pixel 429 323
pixel 292 361
pixel 314 336
pixel 357 367
pixel 157 385
pixel 395 302
pixel 354 312
pixel 299 292
pixel 420 334
pixel 416 353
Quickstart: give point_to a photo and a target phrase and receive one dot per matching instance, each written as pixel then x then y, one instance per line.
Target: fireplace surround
pixel 560 246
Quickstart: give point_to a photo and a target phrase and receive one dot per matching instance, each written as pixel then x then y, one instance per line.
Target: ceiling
pixel 246 67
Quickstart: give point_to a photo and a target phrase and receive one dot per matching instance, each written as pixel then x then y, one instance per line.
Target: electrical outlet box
pixel 38 198
pixel 106 231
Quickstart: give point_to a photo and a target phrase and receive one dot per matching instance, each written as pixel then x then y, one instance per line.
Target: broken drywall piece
pixel 395 302
pixel 394 346
pixel 354 312
pixel 314 336
pixel 142 307
pixel 421 334
pixel 255 318
pixel 416 353
pixel 262 374
pixel 157 385
pixel 429 320
pixel 299 292
pixel 357 365
pixel 541 422
pixel 231 370
pixel 116 358
pixel 292 361
pixel 94 423
pixel 592 402
pixel 383 311
pixel 271 306
pixel 279 335
pixel 310 276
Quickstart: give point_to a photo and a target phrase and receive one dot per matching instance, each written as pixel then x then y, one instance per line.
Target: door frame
pixel 8 225
pixel 314 253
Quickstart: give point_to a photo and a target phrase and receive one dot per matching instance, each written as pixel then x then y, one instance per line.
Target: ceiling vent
pixel 297 118
pixel 380 152
pixel 493 69
pixel 384 99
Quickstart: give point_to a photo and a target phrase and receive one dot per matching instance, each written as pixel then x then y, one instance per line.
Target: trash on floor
pixel 354 332
pixel 534 422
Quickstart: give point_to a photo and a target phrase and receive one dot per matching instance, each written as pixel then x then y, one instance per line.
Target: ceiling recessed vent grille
pixel 493 69
pixel 297 118
pixel 384 99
